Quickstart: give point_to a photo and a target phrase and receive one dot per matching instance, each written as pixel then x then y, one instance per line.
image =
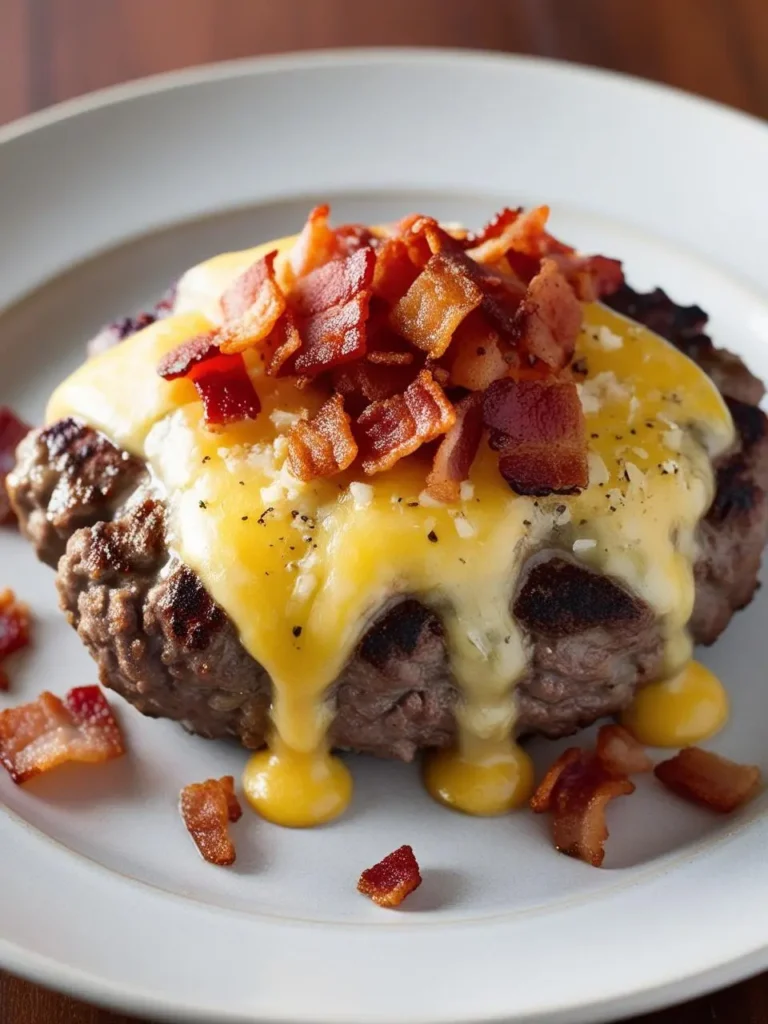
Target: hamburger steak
pixel 163 644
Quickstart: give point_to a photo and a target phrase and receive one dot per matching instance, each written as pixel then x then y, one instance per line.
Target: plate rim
pixel 94 987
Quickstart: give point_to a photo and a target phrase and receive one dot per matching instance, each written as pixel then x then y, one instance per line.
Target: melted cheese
pixel 294 565
pixel 677 712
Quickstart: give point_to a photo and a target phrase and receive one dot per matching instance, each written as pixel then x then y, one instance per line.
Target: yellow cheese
pixel 294 566
pixel 681 711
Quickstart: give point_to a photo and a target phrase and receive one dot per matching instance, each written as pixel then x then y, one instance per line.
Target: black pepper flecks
pixel 206 458
pixel 432 536
pixel 244 518
pixel 202 504
pixel 297 630
pixel 263 516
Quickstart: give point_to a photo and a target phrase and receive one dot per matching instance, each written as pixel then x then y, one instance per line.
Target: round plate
pixel 104 201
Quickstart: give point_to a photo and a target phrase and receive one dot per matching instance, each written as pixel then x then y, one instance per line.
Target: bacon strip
pixel 251 307
pixel 541 800
pixel 207 808
pixel 395 270
pixel 36 737
pixel 580 800
pixel 180 360
pixel 538 429
pixel 708 779
pixel 620 753
pixel 323 445
pixel 477 356
pixel 435 304
pixel 395 427
pixel 392 879
pixel 15 621
pixel 12 432
pixel 453 459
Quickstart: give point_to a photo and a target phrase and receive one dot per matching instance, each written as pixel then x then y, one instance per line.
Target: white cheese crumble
pixel 466 490
pixel 670 466
pixel 306 583
pixel 464 528
pixel 598 471
pixel 583 544
pixel 635 475
pixel 673 439
pixel 282 419
pixel 641 453
pixel 604 387
pixel 607 340
pixel 427 501
pixel 362 494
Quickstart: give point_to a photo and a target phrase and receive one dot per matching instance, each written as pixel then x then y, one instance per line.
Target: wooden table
pixel 53 49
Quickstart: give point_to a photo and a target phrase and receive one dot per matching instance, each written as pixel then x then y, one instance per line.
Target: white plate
pixel 101 892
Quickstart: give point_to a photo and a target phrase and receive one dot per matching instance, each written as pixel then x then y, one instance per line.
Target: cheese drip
pixel 304 569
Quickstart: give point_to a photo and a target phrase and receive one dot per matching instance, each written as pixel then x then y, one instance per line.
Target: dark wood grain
pixel 54 49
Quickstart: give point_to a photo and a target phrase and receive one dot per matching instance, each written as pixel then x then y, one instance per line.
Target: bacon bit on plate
pixel 392 879
pixel 226 390
pixel 395 270
pixel 36 737
pixel 323 445
pixel 541 800
pixel 620 753
pixel 706 778
pixel 538 429
pixel 548 321
pixel 251 307
pixel 180 360
pixel 591 277
pixel 15 623
pixel 453 459
pixel 12 432
pixel 390 429
pixel 207 809
pixel 333 337
pixel 580 799
pixel 435 304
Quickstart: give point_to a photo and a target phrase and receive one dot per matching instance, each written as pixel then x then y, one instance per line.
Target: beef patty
pixel 161 641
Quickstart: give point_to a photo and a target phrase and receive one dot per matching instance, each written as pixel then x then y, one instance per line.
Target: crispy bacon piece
pixel 392 879
pixel 395 270
pixel 316 245
pixel 591 277
pixel 207 808
pixel 708 779
pixel 251 307
pixel 226 390
pixel 620 753
pixel 323 445
pixel 283 343
pixel 15 622
pixel 477 356
pixel 12 432
pixel 453 459
pixel 549 318
pixel 351 237
pixel 580 799
pixel 180 360
pixel 362 383
pixel 541 800
pixel 395 427
pixel 538 429
pixel 333 337
pixel 435 304
pixel 513 229
pixel 36 737
pixel 494 228
pixel 334 284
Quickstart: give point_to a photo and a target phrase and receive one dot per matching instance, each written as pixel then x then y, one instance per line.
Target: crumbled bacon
pixel 333 337
pixel 392 879
pixel 477 356
pixel 453 459
pixel 706 778
pixel 316 245
pixel 12 432
pixel 515 230
pixel 390 429
pixel 36 737
pixel 494 228
pixel 538 429
pixel 334 284
pixel 395 270
pixel 435 304
pixel 362 383
pixel 576 789
pixel 207 808
pixel 620 753
pixel 283 344
pixel 323 445
pixel 15 622
pixel 226 390
pixel 548 321
pixel 251 307
pixel 591 277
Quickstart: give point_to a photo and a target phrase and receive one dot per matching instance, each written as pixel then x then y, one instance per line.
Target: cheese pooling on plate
pixel 303 566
